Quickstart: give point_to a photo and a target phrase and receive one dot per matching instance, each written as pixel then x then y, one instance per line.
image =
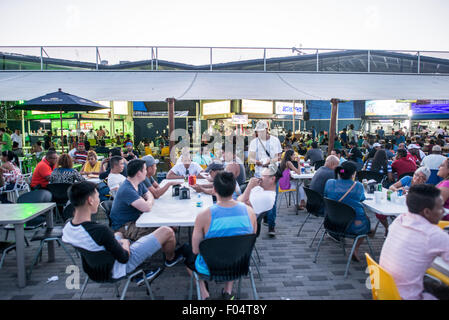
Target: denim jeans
pixel 271 215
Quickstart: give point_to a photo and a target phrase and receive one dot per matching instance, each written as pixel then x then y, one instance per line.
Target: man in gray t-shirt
pixel 324 173
pixel 314 154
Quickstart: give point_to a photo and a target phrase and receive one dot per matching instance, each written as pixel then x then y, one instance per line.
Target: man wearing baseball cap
pixel 130 153
pixel 376 146
pixel 416 155
pixel 434 160
pixel 150 183
pixel 264 149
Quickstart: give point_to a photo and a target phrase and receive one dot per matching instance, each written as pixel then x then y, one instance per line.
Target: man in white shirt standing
pixel 264 149
pixel 17 137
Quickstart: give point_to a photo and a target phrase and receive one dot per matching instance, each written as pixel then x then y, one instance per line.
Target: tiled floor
pixel 286 268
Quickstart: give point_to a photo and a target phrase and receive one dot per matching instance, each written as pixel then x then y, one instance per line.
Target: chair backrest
pixel 228 258
pixel 107 207
pixel 410 174
pixel 259 222
pixel 97 265
pixel 434 178
pixel 383 286
pixel 368 175
pixel 314 203
pixel 319 164
pixel 443 224
pixel 338 216
pixel 36 196
pixel 59 191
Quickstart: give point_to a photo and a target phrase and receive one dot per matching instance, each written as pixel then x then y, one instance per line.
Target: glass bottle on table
pixel 186 177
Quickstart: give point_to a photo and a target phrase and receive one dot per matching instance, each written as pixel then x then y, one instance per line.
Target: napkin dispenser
pixel 184 193
pixel 175 190
pixel 372 186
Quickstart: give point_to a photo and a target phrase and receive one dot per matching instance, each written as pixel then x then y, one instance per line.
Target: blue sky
pixel 408 25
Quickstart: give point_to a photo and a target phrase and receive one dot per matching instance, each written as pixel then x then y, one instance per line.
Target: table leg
pixel 51 244
pixel 20 253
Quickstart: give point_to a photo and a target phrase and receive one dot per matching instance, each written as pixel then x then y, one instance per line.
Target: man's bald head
pixel 332 162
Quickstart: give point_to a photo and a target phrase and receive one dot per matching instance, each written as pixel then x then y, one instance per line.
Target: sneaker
pixel 178 258
pixel 271 232
pixel 226 296
pixel 265 223
pixel 150 275
pixel 335 238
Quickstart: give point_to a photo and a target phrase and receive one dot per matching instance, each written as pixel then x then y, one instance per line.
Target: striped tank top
pixel 225 222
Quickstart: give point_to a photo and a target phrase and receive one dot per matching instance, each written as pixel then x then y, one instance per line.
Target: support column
pixel 23 129
pixel 333 125
pixel 171 120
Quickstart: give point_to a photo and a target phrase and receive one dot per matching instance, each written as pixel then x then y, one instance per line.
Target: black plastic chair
pixel 36 196
pixel 107 207
pixel 410 174
pixel 314 206
pixel 369 175
pixel 339 217
pixel 319 164
pixel 228 259
pixel 5 247
pixel 98 268
pixel 46 235
pixel 59 194
pixel 259 226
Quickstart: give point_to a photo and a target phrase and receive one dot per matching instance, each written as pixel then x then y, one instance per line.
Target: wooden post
pixel 333 125
pixel 171 120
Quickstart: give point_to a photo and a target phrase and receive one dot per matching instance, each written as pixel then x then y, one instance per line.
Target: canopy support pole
pixel 333 126
pixel 23 129
pixel 171 121
pixel 62 131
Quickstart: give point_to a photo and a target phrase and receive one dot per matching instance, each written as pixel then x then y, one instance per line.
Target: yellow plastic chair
pixel 165 152
pixel 204 166
pixel 437 274
pixel 443 224
pixel 148 151
pixel 284 193
pixel 382 283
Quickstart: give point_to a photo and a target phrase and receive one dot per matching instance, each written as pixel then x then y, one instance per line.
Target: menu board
pixel 257 106
pixel 431 107
pixel 287 108
pixel 217 107
pixel 386 108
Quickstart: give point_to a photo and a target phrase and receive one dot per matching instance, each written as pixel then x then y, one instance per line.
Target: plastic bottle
pixel 199 201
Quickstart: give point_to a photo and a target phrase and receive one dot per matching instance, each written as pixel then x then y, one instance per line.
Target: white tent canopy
pixel 187 85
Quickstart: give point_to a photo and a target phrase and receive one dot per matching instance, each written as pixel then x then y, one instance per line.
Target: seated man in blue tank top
pixel 215 222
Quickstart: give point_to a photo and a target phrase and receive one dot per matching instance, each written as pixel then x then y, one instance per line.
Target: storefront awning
pixel 159 85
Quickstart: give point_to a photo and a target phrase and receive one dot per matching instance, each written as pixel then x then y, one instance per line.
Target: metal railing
pixel 207 59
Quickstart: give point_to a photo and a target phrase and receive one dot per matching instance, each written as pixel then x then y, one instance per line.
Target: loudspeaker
pixel 306 116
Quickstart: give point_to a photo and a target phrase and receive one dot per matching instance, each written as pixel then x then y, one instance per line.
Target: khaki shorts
pixel 132 233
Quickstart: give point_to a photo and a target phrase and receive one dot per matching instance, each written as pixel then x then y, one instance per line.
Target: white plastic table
pixel 170 211
pixel 441 265
pixel 18 214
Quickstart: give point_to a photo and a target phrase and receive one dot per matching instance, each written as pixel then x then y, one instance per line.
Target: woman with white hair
pixel 420 176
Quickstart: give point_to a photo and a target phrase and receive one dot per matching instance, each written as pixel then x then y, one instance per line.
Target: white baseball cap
pixel 414 146
pixel 261 125
pixel 375 145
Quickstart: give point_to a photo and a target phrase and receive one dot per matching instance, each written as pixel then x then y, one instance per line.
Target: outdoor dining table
pixel 170 211
pixel 300 177
pixel 18 214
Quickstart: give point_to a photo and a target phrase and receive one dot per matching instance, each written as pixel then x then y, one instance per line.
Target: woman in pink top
pixel 285 183
pixel 443 172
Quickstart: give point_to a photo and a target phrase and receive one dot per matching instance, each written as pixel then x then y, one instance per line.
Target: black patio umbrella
pixel 62 102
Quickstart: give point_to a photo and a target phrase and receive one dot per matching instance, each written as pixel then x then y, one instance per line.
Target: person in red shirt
pixel 403 164
pixel 42 173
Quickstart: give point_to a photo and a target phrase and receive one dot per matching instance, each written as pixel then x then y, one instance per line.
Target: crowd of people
pixel 408 162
